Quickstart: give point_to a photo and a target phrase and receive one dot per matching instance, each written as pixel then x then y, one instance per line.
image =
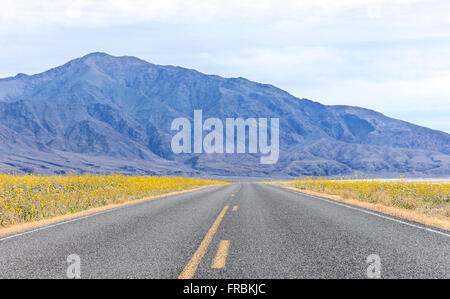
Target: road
pixel 244 230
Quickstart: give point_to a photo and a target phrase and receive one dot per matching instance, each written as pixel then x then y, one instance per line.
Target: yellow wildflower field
pixel 432 198
pixel 29 198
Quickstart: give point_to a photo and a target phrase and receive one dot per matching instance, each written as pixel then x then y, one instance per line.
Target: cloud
pixel 270 63
pixel 107 12
pixel 394 95
pixel 373 11
pixel 422 101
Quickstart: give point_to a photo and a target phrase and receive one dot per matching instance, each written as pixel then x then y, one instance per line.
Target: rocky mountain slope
pixel 105 114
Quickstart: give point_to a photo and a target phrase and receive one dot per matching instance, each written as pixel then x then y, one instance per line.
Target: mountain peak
pixel 97 54
pixel 101 56
pixel 113 113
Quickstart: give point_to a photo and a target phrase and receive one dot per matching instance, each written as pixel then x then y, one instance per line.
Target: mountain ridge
pixel 115 113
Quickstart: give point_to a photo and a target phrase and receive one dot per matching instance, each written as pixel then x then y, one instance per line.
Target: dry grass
pixel 39 223
pixel 425 202
pixel 32 198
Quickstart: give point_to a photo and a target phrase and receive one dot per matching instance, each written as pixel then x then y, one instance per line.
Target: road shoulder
pixel 438 222
pixel 22 227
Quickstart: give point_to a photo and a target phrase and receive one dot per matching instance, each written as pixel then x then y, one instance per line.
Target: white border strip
pixel 369 212
pixel 59 223
pixel 94 214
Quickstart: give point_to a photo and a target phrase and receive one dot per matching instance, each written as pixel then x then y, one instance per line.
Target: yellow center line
pixel 191 267
pixel 221 255
pixel 235 208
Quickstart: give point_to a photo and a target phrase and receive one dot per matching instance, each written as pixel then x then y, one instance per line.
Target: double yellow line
pixel 222 252
pixel 221 255
pixel 191 267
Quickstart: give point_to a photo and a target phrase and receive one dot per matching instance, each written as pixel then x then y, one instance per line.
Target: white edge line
pixel 58 223
pixel 87 216
pixel 370 213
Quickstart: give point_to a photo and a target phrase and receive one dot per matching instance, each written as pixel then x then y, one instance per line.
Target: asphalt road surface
pixel 244 230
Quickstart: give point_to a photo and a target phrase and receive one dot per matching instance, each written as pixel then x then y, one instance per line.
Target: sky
pixel 392 56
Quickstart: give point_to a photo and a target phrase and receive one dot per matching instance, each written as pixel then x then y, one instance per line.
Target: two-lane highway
pixel 244 230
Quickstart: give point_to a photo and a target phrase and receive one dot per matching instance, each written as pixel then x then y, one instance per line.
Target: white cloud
pixel 270 63
pixel 107 12
pixel 422 101
pixel 373 11
pixel 427 94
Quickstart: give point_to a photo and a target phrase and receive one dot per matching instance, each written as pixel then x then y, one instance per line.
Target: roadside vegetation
pixel 427 198
pixel 29 198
